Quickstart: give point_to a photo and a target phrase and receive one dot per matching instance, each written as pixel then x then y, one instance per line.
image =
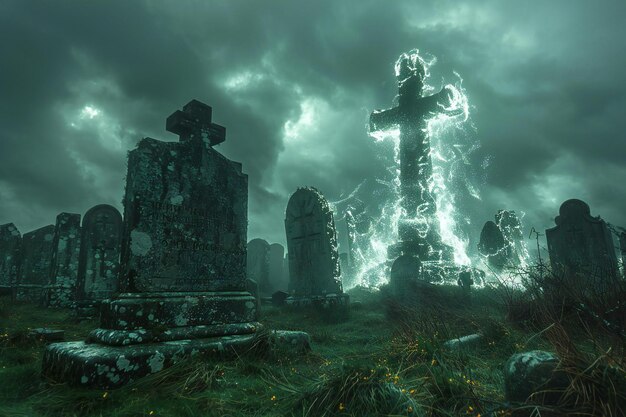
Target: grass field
pixel 382 359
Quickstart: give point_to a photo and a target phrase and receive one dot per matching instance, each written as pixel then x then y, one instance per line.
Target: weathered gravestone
pixel 258 264
pixel 65 251
pixel 312 247
pixel 511 228
pixel 493 246
pixel 10 243
pixel 404 277
pixel 35 267
pixel 183 277
pixel 276 260
pixel 100 254
pixel 581 245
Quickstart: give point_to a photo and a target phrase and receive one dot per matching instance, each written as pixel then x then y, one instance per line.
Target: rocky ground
pixel 380 358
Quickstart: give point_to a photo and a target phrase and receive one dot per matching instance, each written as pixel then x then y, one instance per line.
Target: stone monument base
pixel 102 366
pixel 143 333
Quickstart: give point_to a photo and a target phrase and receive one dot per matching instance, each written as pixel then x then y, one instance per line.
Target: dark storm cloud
pixel 294 82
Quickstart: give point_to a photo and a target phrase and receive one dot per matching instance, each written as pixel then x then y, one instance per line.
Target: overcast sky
pixel 294 82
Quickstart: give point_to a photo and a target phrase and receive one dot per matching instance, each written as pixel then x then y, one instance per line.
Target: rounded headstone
pixel 529 372
pixel 405 272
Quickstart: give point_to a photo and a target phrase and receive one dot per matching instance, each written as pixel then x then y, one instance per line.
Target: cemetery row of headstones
pixel 66 263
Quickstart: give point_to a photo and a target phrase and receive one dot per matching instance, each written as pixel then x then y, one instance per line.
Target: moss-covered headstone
pixel 35 267
pixel 64 271
pixel 100 253
pixel 182 281
pixel 312 247
pixel 10 242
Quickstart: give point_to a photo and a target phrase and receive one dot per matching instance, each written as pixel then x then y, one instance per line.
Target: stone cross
pixel 183 257
pixel 410 117
pixel 195 121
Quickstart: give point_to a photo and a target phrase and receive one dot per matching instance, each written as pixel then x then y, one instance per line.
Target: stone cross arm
pixel 413 110
pixel 195 121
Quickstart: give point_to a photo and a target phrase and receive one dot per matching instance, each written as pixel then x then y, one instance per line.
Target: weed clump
pixel 358 391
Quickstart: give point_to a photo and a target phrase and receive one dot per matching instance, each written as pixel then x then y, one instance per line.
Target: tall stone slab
pixel 183 277
pixel 258 265
pixel 581 245
pixel 10 244
pixel 312 245
pixel 61 291
pixel 277 256
pixel 100 254
pixel 36 264
pixel 404 277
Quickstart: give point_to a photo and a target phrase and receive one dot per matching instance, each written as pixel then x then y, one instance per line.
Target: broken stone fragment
pixel 463 342
pixel 285 340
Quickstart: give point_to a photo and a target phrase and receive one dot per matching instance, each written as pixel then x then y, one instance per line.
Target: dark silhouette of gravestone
pixel 511 228
pixel 581 245
pixel 405 276
pixel 312 247
pixel 279 298
pixel 61 291
pixel 34 272
pixel 258 264
pixel 100 253
pixel 493 246
pixel 10 244
pixel 276 261
pixel 417 201
pixel 183 262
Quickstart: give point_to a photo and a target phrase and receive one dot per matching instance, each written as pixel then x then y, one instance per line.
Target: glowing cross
pixel 194 121
pixel 410 117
